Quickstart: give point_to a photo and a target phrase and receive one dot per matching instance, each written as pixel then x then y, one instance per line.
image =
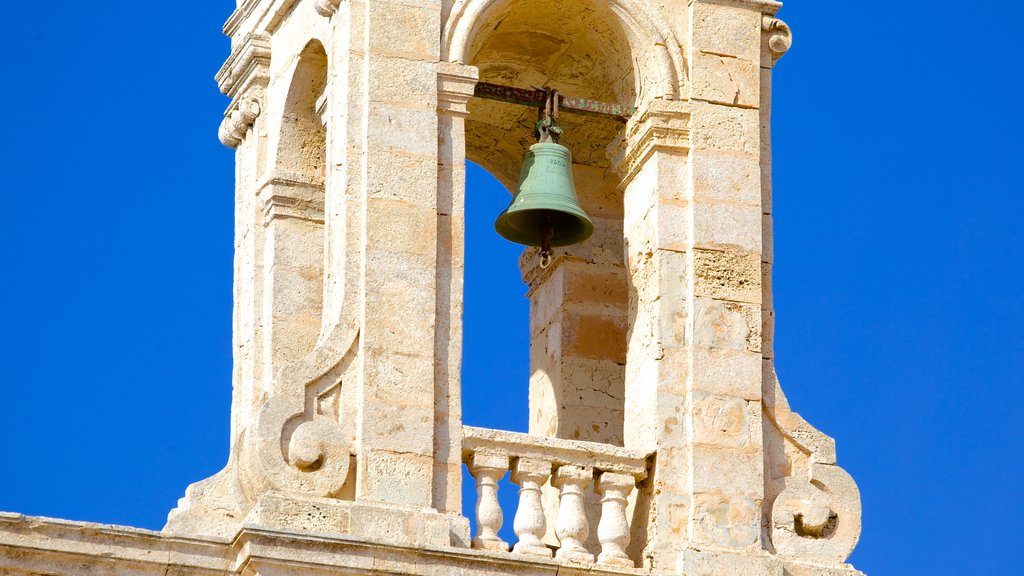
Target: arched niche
pixel 579 306
pixel 293 203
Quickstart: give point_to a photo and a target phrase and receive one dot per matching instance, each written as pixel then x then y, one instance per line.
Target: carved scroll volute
pixel 294 448
pixel 779 36
pixel 817 517
pixel 326 8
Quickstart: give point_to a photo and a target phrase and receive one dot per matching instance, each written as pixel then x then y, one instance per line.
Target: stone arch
pixel 302 139
pixel 651 41
pixel 579 307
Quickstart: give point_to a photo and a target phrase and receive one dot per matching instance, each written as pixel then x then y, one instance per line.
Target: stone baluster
pixel 487 468
pixel 571 526
pixel 613 530
pixel 530 474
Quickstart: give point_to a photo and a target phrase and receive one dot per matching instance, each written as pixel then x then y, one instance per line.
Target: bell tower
pixel 659 436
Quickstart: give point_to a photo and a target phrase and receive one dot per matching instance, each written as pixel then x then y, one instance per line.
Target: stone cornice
pixel 244 78
pixel 455 84
pixel 659 125
pixel 31 545
pixel 248 64
pixel 238 16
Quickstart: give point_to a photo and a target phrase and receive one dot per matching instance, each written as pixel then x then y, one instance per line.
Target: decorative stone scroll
pixel 327 8
pixel 244 78
pixel 817 514
pixel 298 446
pixel 780 37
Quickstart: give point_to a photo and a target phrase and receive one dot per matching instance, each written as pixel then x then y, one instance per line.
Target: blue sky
pixel 899 195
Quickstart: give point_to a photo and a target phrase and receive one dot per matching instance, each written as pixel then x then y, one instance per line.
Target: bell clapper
pixel 545 246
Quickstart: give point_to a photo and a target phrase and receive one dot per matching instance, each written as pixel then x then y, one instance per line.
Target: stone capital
pixel 455 85
pixel 661 125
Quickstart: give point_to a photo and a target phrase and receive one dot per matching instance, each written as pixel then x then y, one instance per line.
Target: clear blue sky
pixel 899 208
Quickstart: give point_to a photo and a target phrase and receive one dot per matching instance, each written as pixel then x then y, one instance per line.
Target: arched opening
pixel 578 306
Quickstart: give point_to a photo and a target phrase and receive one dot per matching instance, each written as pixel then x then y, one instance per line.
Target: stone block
pixel 726 177
pixel 405 29
pixel 731 30
pixel 727 520
pixel 725 372
pixel 396 478
pixel 728 275
pixel 400 227
pixel 720 324
pixel 726 80
pixel 745 477
pixel 726 128
pixel 725 421
pixel 401 81
pixel 728 563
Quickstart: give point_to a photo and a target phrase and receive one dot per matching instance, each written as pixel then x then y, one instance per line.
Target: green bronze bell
pixel 545 210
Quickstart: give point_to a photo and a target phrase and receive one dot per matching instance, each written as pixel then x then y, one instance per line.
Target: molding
pixel 661 125
pixel 240 14
pixel 455 84
pixel 248 65
pixel 769 7
pixel 291 195
pixel 244 78
pixel 779 36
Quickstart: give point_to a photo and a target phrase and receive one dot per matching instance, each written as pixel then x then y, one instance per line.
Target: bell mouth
pixel 528 227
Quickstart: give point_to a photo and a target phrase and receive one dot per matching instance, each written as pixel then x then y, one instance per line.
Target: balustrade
pixel 573 468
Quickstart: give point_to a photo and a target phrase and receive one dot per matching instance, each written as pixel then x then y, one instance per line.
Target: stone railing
pixel 572 468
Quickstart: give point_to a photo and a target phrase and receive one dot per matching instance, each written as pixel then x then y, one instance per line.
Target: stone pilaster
pixel 455 83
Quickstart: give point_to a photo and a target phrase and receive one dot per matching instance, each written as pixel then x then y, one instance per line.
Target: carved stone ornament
pixel 327 8
pixel 244 78
pixel 780 37
pixel 237 122
pixel 298 445
pixel 817 514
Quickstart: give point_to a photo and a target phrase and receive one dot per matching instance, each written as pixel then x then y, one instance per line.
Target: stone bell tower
pixel 660 440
